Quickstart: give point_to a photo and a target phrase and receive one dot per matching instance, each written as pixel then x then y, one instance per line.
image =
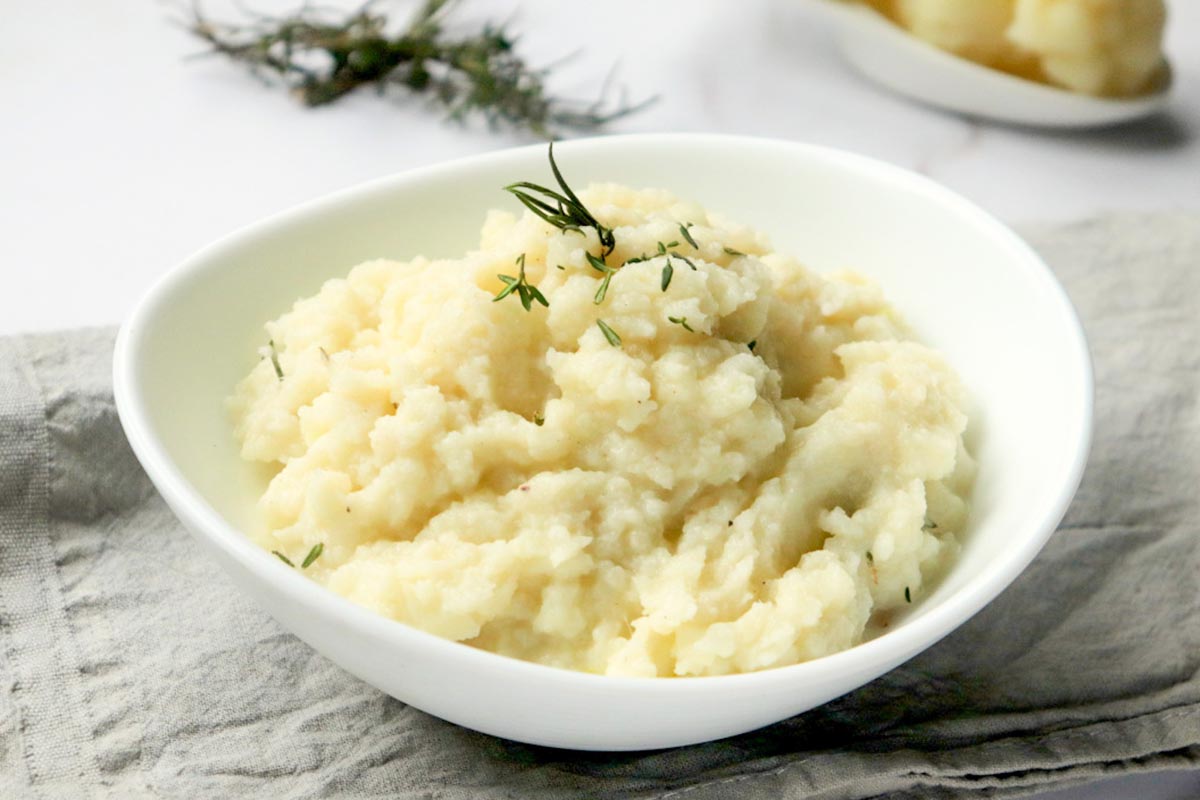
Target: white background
pixel 120 156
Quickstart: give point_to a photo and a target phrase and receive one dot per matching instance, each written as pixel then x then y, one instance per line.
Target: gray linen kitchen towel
pixel 131 668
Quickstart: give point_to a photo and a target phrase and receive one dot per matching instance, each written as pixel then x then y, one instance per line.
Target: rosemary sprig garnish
pixel 732 252
pixel 562 209
pixel 609 333
pixel 683 229
pixel 323 55
pixel 283 558
pixel 526 291
pixel 681 322
pixel 275 359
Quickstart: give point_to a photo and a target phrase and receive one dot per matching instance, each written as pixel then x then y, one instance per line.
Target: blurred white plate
pixel 897 60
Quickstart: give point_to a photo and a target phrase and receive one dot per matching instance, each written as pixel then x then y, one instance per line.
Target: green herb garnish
pixel 526 291
pixel 609 333
pixel 539 420
pixel 753 344
pixel 275 359
pixel 907 595
pixel 683 229
pixel 603 290
pixel 598 265
pixel 323 55
pixel 733 252
pixel 667 272
pixel 564 210
pixel 283 558
pixel 313 555
pixel 682 322
pixel 870 558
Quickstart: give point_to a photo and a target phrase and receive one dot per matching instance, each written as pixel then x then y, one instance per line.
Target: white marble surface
pixel 120 157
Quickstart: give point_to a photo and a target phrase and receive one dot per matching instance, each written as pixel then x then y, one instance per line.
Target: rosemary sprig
pixel 323 55
pixel 283 558
pixel 732 252
pixel 562 209
pixel 609 333
pixel 526 291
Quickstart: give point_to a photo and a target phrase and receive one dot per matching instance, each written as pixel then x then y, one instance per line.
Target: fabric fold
pixel 130 667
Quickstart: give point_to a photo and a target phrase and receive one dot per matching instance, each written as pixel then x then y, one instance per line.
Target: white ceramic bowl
pixel 969 286
pixel 897 60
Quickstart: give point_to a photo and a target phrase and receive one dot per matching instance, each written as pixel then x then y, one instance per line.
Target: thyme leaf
pixel 682 322
pixel 603 290
pixel 667 272
pixel 525 291
pixel 609 333
pixel 313 555
pixel 687 234
pixel 283 558
pixel 598 264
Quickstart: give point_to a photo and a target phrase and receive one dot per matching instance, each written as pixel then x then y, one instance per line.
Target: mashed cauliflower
pixel 755 463
pixel 1098 47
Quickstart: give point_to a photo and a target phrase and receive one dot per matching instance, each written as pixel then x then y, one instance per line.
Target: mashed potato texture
pixel 762 468
pixel 1097 47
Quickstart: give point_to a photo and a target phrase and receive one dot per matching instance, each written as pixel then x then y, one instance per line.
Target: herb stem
pixel 275 359
pixel 526 292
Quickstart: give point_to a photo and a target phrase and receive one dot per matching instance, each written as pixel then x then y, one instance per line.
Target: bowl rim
pixel 880 653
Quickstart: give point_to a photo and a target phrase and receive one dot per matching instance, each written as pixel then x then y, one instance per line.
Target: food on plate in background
pixel 1107 48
